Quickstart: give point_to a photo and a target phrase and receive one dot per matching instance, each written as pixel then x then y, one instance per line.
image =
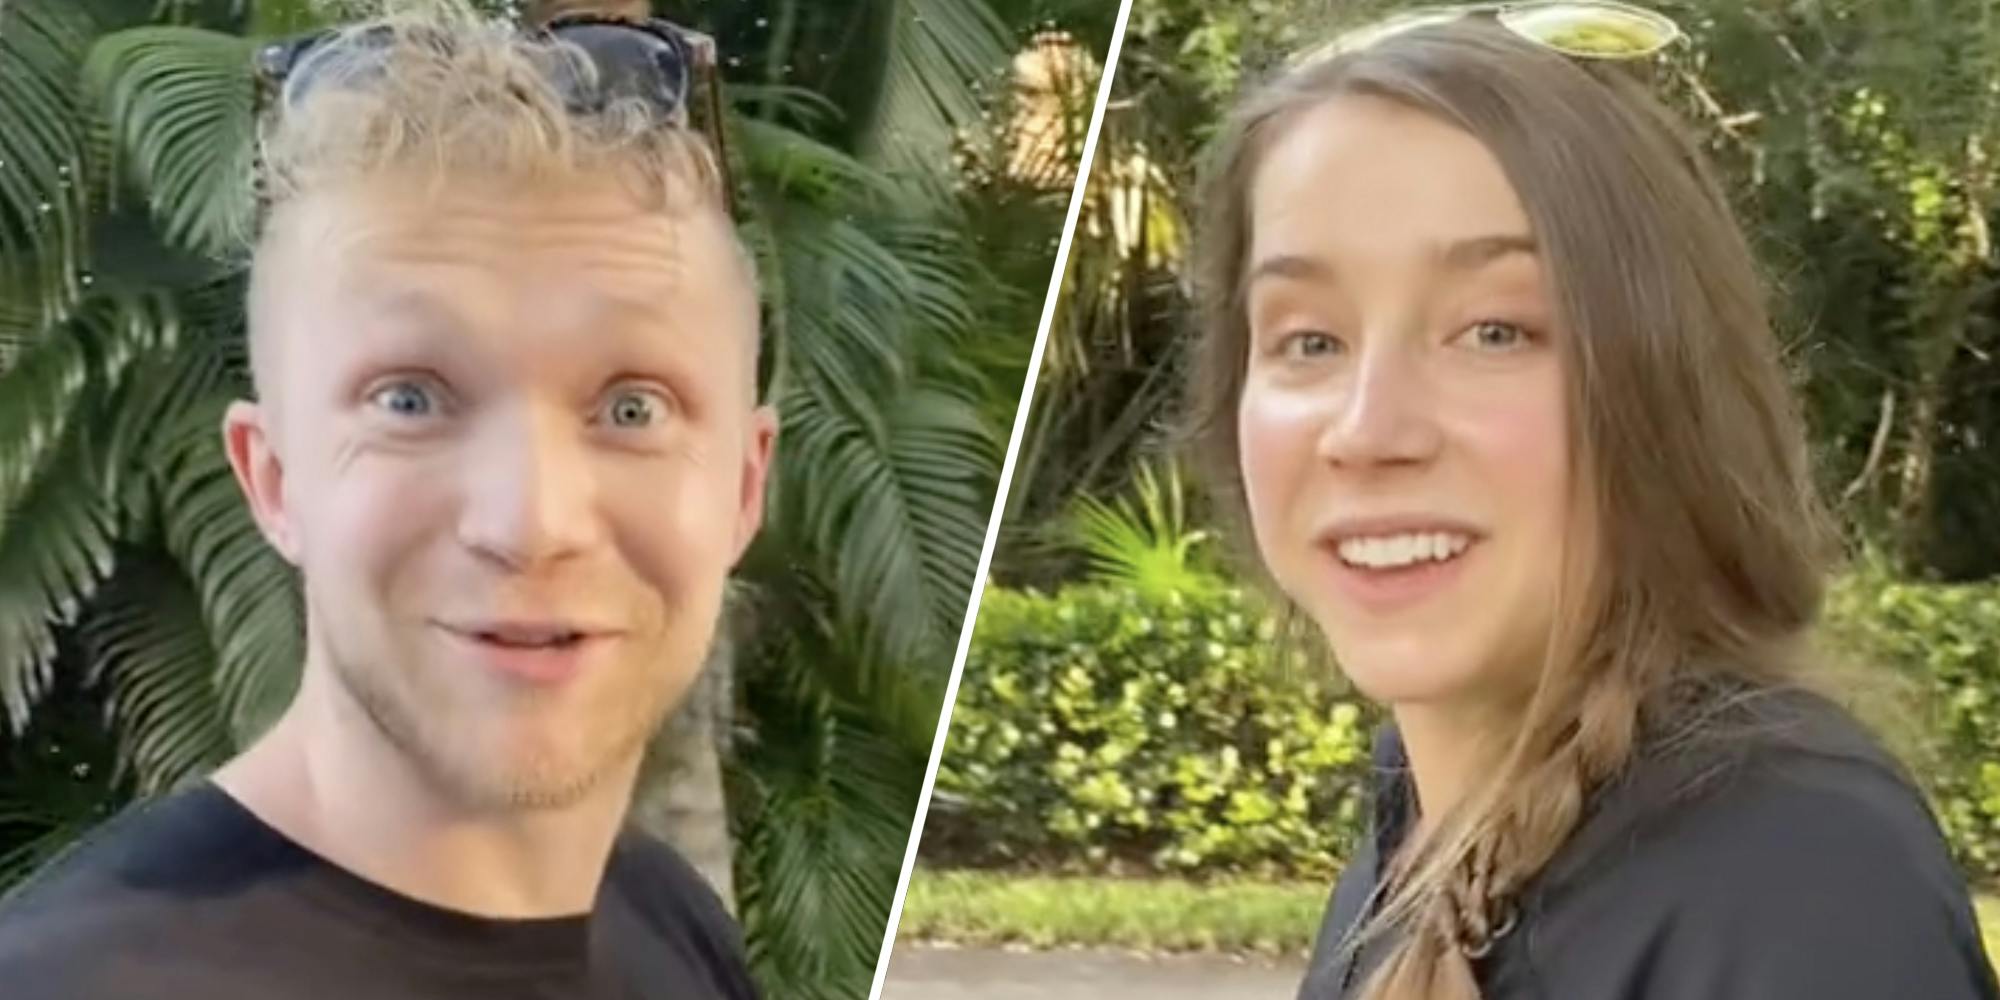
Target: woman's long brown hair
pixel 1704 547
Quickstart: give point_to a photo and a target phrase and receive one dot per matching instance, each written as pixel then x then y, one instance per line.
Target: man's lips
pixel 543 653
pixel 526 633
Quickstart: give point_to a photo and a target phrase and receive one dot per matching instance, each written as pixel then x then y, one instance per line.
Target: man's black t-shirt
pixel 194 896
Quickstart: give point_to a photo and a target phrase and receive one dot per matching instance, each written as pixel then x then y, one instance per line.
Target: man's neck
pixel 326 777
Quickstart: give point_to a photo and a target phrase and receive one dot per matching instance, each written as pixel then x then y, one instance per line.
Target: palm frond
pixel 1143 541
pixel 895 506
pixel 40 395
pixel 179 102
pixel 43 194
pixel 52 563
pixel 145 638
pixel 249 595
pixel 58 512
pixel 826 808
pixel 787 163
pixel 942 273
pixel 845 307
pixel 941 53
pixel 276 18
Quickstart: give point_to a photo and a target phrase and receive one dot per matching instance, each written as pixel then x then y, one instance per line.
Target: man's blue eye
pixel 405 399
pixel 633 408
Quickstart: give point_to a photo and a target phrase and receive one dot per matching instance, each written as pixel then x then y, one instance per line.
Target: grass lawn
pixel 1147 915
pixel 987 908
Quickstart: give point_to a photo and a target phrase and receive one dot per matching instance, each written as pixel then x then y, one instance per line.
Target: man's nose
pixel 530 495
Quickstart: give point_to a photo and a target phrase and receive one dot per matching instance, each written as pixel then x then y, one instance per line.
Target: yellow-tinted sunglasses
pixel 1583 29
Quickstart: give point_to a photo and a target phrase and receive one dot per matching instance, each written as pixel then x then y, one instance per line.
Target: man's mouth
pixel 542 652
pixel 530 637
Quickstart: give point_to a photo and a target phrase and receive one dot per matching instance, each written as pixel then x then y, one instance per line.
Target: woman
pixel 1487 371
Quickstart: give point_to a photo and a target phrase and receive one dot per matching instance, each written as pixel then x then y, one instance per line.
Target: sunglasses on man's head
pixel 1581 29
pixel 657 62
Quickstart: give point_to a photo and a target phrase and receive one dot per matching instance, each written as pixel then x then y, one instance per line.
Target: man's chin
pixel 507 783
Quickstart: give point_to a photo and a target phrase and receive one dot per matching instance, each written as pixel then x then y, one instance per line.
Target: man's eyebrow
pixel 417 306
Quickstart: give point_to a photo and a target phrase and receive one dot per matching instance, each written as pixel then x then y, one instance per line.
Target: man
pixel 507 427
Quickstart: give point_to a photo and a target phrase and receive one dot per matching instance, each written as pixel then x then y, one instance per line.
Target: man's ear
pixel 757 451
pixel 247 437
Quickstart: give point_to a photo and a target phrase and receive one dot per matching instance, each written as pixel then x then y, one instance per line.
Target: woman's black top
pixel 1790 859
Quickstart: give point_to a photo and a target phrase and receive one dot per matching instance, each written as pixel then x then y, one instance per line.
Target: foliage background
pixel 1858 137
pixel 904 167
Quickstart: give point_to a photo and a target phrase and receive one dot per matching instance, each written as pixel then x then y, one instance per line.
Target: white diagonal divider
pixel 1000 495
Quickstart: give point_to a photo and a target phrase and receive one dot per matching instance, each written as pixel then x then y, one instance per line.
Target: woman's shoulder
pixel 1772 781
pixel 1787 851
pixel 1781 764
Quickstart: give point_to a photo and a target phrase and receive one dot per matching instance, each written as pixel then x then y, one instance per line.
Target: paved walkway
pixel 919 972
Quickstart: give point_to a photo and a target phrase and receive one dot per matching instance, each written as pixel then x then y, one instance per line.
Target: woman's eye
pixel 406 398
pixel 634 408
pixel 1494 335
pixel 1308 344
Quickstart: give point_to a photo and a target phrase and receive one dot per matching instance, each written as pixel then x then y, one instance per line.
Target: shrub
pixel 1107 728
pixel 1944 640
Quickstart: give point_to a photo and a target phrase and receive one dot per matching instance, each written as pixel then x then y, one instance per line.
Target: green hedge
pixel 1945 642
pixel 1100 729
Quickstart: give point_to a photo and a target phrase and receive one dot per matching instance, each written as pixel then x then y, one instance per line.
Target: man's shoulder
pixel 663 886
pixel 673 905
pixel 65 930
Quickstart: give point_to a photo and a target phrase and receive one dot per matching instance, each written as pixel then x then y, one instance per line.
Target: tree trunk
pixel 680 797
pixel 1911 516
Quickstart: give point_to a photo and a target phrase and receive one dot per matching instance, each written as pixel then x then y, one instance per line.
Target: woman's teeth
pixel 1392 551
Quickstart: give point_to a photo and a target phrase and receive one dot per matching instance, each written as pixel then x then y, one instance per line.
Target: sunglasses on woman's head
pixel 654 61
pixel 1582 29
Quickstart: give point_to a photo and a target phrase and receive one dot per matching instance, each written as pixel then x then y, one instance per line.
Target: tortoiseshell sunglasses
pixel 656 61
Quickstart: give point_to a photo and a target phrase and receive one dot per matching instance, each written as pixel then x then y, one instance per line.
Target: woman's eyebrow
pixel 1476 252
pixel 1468 254
pixel 1291 266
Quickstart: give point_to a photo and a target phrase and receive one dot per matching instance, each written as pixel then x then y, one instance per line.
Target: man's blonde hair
pixel 436 86
pixel 436 91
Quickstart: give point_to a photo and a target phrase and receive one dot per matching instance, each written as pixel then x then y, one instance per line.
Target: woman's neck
pixel 1449 753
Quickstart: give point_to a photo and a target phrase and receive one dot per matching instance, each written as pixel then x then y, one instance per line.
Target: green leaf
pixel 58 511
pixel 180 103
pixel 822 842
pixel 43 194
pixel 249 594
pixel 940 52
pixel 897 513
pixel 146 639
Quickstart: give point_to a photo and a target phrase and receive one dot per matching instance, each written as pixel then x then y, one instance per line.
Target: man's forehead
pixel 488 254
pixel 364 235
pixel 403 298
pixel 382 214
